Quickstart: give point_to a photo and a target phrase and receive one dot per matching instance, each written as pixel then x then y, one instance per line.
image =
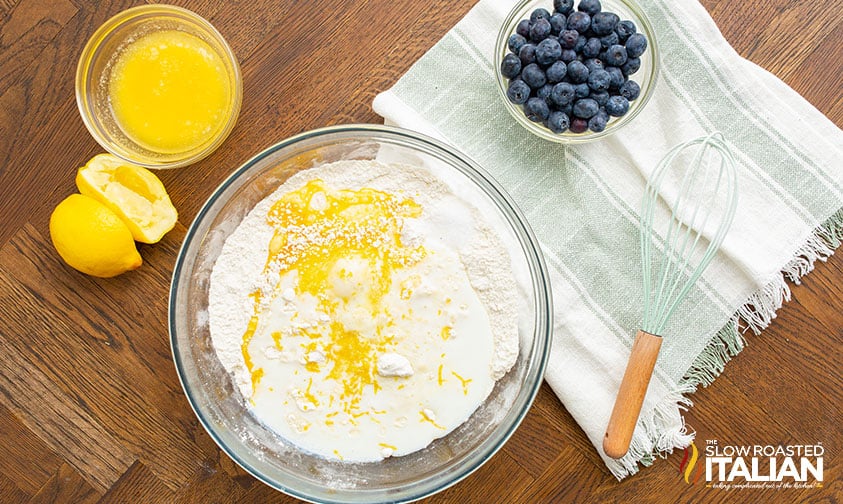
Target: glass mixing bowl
pixel 97 62
pixel 645 76
pixel 218 403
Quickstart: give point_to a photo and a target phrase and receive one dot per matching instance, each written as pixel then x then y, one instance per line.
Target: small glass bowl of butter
pixel 157 85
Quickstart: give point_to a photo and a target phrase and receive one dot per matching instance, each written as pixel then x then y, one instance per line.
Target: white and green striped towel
pixel 583 202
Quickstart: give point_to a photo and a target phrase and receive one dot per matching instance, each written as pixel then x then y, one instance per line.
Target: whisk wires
pixel 707 185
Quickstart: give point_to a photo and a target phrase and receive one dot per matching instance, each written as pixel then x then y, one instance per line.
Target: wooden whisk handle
pixel 636 378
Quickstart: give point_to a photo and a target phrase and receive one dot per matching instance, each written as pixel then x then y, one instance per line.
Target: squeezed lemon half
pixel 134 193
pixel 91 238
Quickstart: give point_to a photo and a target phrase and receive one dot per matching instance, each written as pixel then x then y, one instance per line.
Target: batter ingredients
pixel 363 310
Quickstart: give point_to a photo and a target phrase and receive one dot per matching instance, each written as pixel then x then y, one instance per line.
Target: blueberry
pixel 510 66
pixel 591 48
pixel 568 38
pixel 563 6
pixel 515 42
pixel 609 40
pixel 558 121
pixel 615 55
pixel 636 44
pixel 527 54
pixel 578 125
pixel 617 78
pixel 562 94
pixel 540 30
pixel 601 97
pixel 631 66
pixel 579 21
pixel 590 7
pixel 599 80
pixel 557 23
pixel 534 76
pixel 556 72
pixel 580 43
pixel 539 13
pixel 518 91
pixel 568 55
pixel 565 109
pixel 523 28
pixel 630 90
pixel 578 72
pixel 624 29
pixel 593 64
pixel 617 105
pixel 604 23
pixel 536 109
pixel 548 51
pixel 585 108
pixel 598 122
pixel 581 90
pixel 544 92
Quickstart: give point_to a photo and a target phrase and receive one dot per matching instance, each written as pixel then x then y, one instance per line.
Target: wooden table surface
pixel 90 406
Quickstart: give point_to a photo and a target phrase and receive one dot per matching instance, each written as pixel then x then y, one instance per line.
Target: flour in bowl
pixel 363 310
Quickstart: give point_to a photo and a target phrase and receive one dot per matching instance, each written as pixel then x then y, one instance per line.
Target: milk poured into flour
pixel 346 314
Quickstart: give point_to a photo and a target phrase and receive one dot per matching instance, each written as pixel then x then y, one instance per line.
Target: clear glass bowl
pixel 645 76
pixel 97 61
pixel 220 406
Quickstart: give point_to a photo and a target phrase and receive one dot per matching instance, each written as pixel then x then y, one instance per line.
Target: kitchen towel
pixel 583 203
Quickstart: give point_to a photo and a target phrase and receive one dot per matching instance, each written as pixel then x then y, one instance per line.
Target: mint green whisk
pixel 675 250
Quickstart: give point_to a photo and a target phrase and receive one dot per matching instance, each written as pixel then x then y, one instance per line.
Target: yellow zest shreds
pixel 309 395
pixel 446 332
pixel 318 231
pixel 276 337
pixel 313 367
pixel 463 381
pixel 244 347
pixel 354 359
pixel 425 417
pixel 257 374
pixel 440 380
pixel 384 445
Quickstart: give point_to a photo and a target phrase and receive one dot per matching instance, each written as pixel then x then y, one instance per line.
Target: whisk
pixel 674 255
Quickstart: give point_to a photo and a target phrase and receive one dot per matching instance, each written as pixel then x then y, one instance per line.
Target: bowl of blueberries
pixel 575 71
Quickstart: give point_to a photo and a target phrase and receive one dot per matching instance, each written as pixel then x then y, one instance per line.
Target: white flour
pixel 445 218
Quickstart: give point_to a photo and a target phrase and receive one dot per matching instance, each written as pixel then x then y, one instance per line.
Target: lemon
pixel 132 192
pixel 91 238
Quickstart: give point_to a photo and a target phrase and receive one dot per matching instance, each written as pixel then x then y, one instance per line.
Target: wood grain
pixel 91 409
pixel 66 485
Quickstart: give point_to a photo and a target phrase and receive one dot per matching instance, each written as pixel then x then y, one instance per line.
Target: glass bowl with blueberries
pixel 573 71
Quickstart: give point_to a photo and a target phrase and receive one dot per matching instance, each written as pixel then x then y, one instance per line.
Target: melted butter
pixel 320 227
pixel 170 91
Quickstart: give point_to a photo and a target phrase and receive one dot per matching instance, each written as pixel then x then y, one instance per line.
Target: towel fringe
pixel 660 433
